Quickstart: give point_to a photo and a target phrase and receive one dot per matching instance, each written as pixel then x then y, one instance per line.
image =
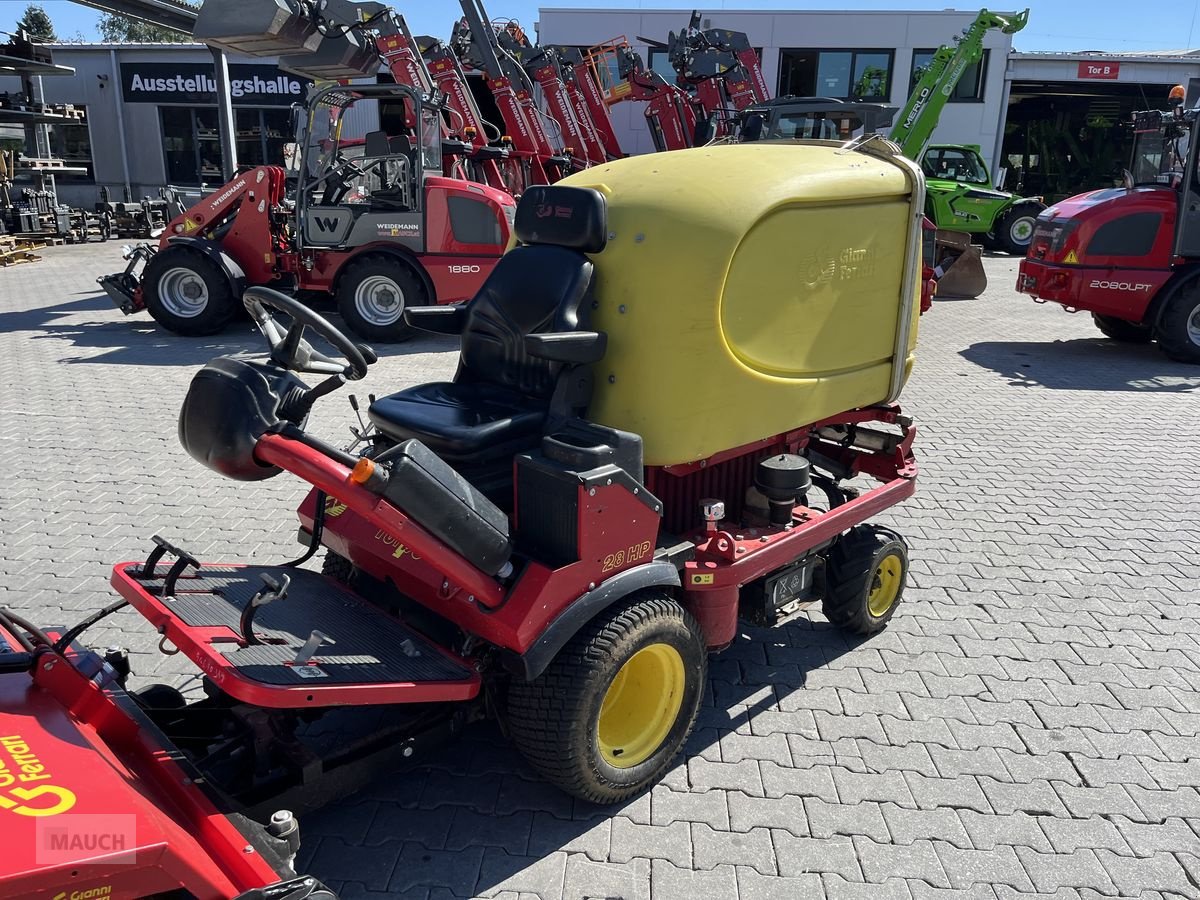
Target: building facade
pixel 1055 123
pixel 150 117
pixel 862 54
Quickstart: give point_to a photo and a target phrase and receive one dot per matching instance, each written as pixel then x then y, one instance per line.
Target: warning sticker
pixel 1071 259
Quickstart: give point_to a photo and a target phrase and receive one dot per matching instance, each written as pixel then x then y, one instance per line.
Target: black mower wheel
pixel 372 294
pixel 610 713
pixel 1014 231
pixel 337 567
pixel 1123 331
pixel 864 580
pixel 1178 328
pixel 187 293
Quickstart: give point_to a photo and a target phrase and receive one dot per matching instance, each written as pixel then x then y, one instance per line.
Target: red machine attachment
pixel 95 801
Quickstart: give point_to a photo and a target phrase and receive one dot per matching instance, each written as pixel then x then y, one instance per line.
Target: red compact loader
pixel 655 430
pixel 1131 255
pixel 374 223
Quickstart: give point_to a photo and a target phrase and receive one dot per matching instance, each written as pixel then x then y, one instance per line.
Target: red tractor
pixel 1131 255
pixel 374 223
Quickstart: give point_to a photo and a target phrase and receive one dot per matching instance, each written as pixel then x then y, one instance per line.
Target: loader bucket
pixel 959 266
pixel 256 27
pixel 346 56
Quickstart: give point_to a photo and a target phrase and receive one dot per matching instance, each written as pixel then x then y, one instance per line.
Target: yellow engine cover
pixel 750 289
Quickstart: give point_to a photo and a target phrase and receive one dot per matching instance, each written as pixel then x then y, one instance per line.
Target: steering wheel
pixel 290 350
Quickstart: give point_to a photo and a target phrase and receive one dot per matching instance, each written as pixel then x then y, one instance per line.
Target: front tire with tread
pixel 1024 215
pixel 1123 331
pixel 407 287
pixel 1178 328
pixel 555 719
pixel 217 312
pixel 856 565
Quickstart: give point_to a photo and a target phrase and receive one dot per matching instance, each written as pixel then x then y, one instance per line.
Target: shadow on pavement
pixel 475 818
pixel 1084 364
pixel 138 340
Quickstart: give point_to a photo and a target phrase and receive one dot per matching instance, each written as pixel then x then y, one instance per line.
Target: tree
pixel 123 30
pixel 37 24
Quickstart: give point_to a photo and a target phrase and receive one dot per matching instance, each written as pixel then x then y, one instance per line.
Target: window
pixel 658 60
pixel 72 143
pixel 840 74
pixel 952 164
pixel 192 143
pixel 969 88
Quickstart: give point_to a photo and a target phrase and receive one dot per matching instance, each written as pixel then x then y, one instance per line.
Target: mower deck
pixel 357 654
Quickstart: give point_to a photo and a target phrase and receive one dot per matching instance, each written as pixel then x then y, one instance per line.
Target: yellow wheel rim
pixel 885 586
pixel 641 706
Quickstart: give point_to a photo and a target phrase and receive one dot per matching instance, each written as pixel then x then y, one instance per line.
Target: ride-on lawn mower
pixel 659 409
pixel 374 223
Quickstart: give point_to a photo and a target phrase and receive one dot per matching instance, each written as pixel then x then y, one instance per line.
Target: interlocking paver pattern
pixel 1027 727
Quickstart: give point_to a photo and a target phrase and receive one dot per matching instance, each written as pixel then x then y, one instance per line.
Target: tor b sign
pixel 1102 71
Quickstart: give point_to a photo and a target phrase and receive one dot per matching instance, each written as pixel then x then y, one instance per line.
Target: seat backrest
pixel 376 144
pixel 544 284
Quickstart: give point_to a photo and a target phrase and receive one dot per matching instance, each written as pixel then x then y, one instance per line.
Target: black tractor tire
pixel 372 293
pixel 864 579
pixel 1123 331
pixel 628 684
pixel 1014 231
pixel 1178 329
pixel 187 293
pixel 337 567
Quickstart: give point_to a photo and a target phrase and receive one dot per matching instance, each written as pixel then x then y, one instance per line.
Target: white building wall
pixel 965 123
pixel 1163 70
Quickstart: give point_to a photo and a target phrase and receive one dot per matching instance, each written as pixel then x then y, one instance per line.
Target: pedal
pixel 183 559
pixel 309 650
pixel 273 589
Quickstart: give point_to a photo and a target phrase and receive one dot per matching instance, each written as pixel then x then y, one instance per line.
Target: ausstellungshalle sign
pixel 182 82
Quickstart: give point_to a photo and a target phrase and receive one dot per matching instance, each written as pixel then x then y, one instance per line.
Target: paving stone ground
pixel 1027 727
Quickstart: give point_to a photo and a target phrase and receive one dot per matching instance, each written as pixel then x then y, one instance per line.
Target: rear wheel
pixel 1015 230
pixel 373 293
pixel 187 293
pixel 1121 330
pixel 864 581
pixel 613 709
pixel 1178 329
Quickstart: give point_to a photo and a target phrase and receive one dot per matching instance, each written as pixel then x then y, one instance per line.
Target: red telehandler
pixel 375 221
pixel 1131 255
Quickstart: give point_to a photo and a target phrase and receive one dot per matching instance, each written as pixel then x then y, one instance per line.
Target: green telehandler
pixel 960 195
pixel 961 200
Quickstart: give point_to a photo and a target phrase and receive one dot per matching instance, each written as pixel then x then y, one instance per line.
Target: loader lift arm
pixel 720 65
pixel 588 99
pixel 476 43
pixel 669 111
pixel 919 117
pixel 545 67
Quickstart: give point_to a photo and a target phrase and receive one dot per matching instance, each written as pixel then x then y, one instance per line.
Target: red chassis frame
pixel 93 753
pixel 617 532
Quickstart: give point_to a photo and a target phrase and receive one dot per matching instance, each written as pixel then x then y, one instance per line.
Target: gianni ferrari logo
pixel 20 767
pixel 548 210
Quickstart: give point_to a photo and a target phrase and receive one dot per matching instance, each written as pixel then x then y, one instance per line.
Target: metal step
pixel 321 645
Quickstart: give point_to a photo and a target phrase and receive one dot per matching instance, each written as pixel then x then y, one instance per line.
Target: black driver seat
pixel 507 382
